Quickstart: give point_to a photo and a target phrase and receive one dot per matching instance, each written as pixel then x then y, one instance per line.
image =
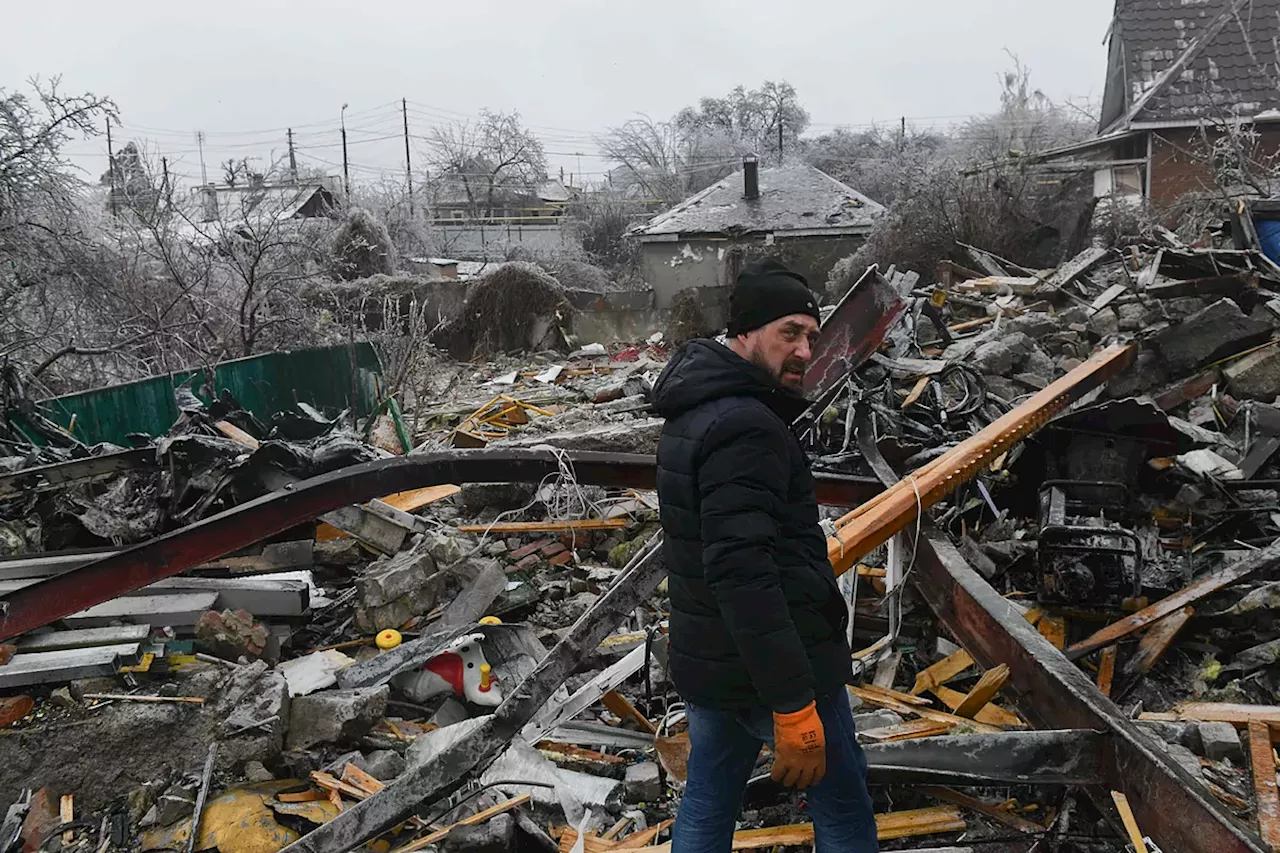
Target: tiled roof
pixel 792 198
pixel 1183 60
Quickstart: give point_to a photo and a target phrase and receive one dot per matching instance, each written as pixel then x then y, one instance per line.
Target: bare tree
pixel 488 161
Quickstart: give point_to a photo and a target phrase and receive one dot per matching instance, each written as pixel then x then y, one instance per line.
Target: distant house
pixel 452 202
pixel 252 202
pixel 1177 71
pixel 798 213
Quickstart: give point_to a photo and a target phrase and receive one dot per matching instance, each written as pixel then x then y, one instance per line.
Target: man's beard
pixel 794 365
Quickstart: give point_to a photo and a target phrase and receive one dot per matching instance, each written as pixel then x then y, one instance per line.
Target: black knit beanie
pixel 765 291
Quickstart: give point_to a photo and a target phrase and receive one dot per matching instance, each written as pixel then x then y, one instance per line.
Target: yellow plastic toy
pixel 491 620
pixel 388 639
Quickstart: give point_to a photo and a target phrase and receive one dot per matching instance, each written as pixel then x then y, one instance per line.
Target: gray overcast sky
pixel 240 69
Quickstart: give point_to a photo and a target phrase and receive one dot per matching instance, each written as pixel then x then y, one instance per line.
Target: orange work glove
pixel 799 748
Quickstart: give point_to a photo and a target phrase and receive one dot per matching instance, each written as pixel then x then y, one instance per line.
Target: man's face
pixel 784 348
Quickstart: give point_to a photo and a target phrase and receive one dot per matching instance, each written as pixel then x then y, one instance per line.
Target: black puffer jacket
pixel 756 615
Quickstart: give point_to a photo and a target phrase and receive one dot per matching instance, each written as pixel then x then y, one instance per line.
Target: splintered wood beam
pixel 67 812
pixel 991 713
pixel 1264 559
pixel 991 810
pixel 895 694
pixel 620 706
pixel 918 389
pixel 1053 629
pixel 883 701
pixel 1216 712
pixel 1130 822
pixel 236 434
pixel 644 836
pixel 984 691
pixel 1156 642
pixel 906 731
pixel 1107 669
pixel 475 820
pixel 1264 783
pixel 545 526
pixel 942 671
pixel 418 498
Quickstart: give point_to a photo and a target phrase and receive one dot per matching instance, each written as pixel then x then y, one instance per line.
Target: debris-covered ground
pixel 484 662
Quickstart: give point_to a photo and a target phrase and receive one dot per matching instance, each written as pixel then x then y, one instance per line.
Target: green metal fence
pixel 328 378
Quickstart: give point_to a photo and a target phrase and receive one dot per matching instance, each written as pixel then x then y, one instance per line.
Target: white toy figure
pixel 461 669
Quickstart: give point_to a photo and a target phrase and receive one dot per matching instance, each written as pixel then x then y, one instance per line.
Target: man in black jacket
pixel 758 648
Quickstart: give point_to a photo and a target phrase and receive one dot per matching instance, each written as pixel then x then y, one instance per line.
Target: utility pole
pixel 111 172
pixel 346 175
pixel 408 165
pixel 293 160
pixel 902 136
pixel 204 173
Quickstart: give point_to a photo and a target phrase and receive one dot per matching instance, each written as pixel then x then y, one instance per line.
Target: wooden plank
pixel 1266 558
pixel 887 670
pixel 921 384
pixel 991 713
pixel 545 526
pixel 57 641
pixel 1214 712
pixel 1264 783
pixel 644 836
pixel 905 731
pixel 302 797
pixel 984 691
pixel 418 498
pixel 333 784
pixel 999 815
pixel 1107 669
pixel 1053 629
pixel 67 812
pixel 236 434
pixel 1156 641
pixel 619 705
pixel 1130 822
pixel 353 775
pixel 1184 392
pixel 942 671
pixel 897 694
pixel 883 701
pixel 475 819
pixel 1108 296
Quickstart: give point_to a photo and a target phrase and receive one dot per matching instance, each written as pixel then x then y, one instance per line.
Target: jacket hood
pixel 703 370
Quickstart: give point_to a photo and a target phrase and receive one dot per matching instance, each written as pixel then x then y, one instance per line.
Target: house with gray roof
pixel 796 213
pixel 1177 72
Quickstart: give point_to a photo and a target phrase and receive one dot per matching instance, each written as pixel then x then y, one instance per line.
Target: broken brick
pixel 552 549
pixel 525 550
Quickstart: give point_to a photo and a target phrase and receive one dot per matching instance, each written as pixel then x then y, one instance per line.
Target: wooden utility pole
pixel 111 172
pixel 293 160
pixel 408 165
pixel 346 174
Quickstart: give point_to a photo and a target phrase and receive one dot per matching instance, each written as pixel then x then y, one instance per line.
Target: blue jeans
pixel 724 746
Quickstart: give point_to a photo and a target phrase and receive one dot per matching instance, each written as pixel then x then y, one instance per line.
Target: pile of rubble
pixel 446 627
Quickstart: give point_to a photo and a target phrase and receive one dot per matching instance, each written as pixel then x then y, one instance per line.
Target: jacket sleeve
pixel 742 480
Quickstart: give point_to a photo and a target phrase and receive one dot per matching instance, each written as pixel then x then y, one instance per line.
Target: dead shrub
pixel 362 247
pixel 686 320
pixel 515 308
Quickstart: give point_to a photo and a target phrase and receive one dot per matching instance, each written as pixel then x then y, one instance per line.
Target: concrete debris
pixel 335 716
pixel 1220 740
pixel 232 634
pixel 643 783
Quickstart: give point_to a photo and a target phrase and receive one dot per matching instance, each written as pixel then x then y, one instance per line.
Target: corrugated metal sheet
pixel 328 378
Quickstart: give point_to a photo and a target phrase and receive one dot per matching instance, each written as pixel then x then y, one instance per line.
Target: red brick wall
pixel 1178 167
